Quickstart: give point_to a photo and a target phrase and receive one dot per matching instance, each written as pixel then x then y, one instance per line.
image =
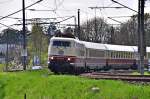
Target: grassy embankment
pixel 41 85
pixel 1 67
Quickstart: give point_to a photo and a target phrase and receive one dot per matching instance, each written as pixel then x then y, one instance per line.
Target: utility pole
pixel 95 27
pixel 79 24
pixel 141 36
pixel 139 39
pixel 24 36
pixel 7 50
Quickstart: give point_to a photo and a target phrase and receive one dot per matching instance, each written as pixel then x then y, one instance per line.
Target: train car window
pixel 148 55
pixel 116 54
pixel 127 54
pixel 62 43
pixel 124 55
pixel 109 54
pixel 131 55
pixel 119 54
pixel 112 55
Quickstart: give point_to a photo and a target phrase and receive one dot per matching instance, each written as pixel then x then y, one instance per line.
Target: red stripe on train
pixel 62 58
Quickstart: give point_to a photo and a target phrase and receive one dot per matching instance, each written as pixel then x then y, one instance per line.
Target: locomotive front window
pixel 61 43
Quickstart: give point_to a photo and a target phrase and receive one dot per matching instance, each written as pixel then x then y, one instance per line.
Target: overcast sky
pixel 68 8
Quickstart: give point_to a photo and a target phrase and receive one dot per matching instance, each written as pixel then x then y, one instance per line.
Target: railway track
pixel 117 76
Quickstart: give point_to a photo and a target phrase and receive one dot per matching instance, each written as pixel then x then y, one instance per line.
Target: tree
pixel 38 42
pixel 127 32
pixel 10 36
pixel 95 30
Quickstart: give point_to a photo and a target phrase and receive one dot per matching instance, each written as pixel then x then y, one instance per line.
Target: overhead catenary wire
pixel 20 10
pixel 42 5
pixel 49 23
pixel 120 16
pixel 6 1
pixel 115 20
pixel 7 26
pixel 124 6
pixel 12 17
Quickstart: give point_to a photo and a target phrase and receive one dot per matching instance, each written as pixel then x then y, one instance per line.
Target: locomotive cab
pixel 62 54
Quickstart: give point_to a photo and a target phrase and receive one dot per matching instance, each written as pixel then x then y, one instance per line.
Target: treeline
pixel 10 36
pixel 98 30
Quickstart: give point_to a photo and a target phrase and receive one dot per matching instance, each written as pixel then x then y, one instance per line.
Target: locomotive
pixel 70 55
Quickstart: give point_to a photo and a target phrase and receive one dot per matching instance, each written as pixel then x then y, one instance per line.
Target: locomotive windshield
pixel 62 43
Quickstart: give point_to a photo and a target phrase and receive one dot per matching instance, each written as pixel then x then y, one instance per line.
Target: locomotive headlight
pixel 51 58
pixel 69 59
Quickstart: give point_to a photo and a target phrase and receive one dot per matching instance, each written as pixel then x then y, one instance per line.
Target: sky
pixel 64 8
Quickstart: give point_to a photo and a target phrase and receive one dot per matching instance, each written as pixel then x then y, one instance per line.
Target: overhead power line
pixel 20 10
pixel 39 10
pixel 120 16
pixel 124 6
pixel 48 22
pixel 66 19
pixel 115 20
pixel 106 7
pixel 7 26
pixel 12 17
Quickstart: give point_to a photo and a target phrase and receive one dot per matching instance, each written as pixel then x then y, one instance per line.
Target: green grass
pixel 41 85
pixel 1 67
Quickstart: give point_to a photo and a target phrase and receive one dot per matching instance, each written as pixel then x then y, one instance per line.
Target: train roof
pixel 120 48
pixel 92 45
pixel 101 46
pixel 63 38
